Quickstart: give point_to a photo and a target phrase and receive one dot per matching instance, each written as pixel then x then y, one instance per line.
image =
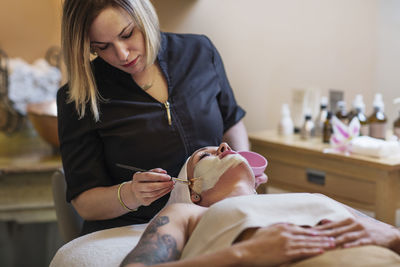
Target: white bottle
pixel 321 118
pixel 285 127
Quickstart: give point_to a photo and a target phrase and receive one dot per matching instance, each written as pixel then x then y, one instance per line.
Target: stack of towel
pixel 32 83
pixel 365 145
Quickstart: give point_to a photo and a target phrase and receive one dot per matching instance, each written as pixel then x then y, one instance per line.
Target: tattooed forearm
pixel 153 247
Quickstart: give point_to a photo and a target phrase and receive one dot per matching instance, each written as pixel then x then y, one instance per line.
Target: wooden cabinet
pixel 26 166
pixel 359 181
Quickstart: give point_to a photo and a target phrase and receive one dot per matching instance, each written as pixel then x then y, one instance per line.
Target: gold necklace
pixel 147 86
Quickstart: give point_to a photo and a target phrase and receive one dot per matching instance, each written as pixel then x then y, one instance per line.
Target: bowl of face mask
pixel 257 162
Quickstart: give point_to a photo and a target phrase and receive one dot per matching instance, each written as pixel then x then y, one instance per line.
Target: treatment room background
pixel 269 47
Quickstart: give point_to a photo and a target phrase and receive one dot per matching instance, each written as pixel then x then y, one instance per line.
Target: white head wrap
pixel 181 193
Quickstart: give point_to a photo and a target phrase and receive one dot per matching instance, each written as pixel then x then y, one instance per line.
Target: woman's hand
pixel 149 186
pixel 362 231
pixel 282 243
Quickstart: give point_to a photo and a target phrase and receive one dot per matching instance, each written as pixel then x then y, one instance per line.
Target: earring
pixel 196 197
pixel 94 53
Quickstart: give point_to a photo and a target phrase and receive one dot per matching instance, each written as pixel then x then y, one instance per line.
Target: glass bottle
pixel 319 121
pixel 307 130
pixel 378 121
pixel 396 127
pixel 396 123
pixel 341 113
pixel 328 129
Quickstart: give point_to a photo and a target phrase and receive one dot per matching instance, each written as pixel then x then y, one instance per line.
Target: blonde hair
pixel 78 15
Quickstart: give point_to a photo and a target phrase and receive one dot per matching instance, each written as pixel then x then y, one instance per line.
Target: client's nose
pixel 223 147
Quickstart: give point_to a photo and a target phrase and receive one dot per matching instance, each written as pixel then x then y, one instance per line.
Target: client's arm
pixel 165 236
pixel 162 242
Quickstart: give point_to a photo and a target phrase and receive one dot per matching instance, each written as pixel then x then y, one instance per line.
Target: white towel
pixel 103 248
pixel 226 219
pixel 180 193
pixel 365 145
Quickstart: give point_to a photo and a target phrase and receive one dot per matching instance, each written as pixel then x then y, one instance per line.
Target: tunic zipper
pixel 166 104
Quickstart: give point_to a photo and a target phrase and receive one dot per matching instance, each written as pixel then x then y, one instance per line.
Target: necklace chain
pixel 147 86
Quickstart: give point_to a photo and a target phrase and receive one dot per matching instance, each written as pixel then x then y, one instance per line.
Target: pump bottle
pixel 378 121
pixel 358 111
pixel 341 113
pixel 319 121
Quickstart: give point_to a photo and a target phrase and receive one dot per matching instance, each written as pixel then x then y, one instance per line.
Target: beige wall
pixel 388 55
pixel 271 46
pixel 268 46
pixel 28 28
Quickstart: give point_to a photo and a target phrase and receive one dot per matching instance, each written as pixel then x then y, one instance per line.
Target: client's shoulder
pixel 186 208
pixel 185 214
pixel 183 210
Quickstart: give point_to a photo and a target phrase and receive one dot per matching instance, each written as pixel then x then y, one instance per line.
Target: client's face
pixel 218 173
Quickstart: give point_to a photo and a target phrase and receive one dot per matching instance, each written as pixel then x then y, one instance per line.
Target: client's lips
pixel 226 152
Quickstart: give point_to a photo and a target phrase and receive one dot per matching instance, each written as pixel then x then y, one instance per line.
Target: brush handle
pixel 142 170
pixel 180 180
pixel 130 168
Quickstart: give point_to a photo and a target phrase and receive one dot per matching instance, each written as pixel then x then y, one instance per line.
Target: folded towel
pixel 365 145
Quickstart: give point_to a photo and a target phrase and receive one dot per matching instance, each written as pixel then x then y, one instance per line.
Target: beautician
pixel 137 97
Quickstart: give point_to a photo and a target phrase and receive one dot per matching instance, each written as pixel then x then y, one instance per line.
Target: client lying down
pixel 225 219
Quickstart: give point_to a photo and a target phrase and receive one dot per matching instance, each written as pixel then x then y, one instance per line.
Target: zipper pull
pixel 166 104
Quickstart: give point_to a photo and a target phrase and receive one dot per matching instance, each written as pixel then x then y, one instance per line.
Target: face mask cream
pixel 209 170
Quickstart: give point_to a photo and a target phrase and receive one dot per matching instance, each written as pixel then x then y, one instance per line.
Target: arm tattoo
pixel 154 247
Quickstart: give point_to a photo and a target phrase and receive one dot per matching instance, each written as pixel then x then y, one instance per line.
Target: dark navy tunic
pixel 134 127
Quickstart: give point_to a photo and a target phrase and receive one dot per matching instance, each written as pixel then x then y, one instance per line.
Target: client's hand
pixel 362 231
pixel 282 243
pixel 150 186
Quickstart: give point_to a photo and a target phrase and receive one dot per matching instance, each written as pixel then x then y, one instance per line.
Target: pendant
pixel 147 87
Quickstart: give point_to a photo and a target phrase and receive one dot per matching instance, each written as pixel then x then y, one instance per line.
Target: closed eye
pixel 103 48
pixel 204 155
pixel 128 35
